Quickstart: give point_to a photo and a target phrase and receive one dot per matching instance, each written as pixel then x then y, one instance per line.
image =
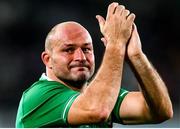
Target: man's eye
pixel 69 50
pixel 86 49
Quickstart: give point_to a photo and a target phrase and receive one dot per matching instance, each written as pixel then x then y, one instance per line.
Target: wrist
pixel 138 59
pixel 115 41
pixel 137 55
pixel 117 48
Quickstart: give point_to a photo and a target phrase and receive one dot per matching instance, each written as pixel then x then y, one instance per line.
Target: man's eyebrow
pixel 88 43
pixel 74 44
pixel 68 45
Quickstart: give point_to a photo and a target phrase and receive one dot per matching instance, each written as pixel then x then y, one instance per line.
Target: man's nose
pixel 79 55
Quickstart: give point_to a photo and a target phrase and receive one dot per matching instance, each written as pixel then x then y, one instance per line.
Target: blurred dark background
pixel 24 25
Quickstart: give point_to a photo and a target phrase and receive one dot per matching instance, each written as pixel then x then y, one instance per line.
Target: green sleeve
pixel 115 114
pixel 45 104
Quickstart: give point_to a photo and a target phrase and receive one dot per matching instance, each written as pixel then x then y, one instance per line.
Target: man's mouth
pixel 79 67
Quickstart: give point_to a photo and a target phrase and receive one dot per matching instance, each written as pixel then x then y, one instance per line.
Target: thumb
pixel 101 22
pixel 135 31
pixel 104 41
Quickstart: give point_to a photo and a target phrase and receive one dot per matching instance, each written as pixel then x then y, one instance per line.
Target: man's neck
pixel 76 86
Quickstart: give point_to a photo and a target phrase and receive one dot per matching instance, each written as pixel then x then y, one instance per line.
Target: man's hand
pixel 134 45
pixel 117 27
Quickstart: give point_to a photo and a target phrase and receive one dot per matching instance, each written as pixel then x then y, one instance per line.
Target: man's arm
pixel 152 104
pixel 97 101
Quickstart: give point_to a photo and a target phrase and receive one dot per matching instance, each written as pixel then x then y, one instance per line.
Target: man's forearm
pixel 106 84
pixel 153 87
pixel 97 101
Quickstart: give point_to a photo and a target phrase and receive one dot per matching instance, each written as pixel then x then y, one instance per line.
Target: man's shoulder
pixel 41 91
pixel 43 86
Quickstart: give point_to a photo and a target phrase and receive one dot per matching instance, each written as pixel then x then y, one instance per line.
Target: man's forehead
pixel 68 34
pixel 69 27
pixel 72 33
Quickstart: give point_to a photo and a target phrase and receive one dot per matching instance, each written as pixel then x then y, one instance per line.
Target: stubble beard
pixel 76 81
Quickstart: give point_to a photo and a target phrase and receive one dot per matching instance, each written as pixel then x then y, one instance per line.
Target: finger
pixel 135 29
pixel 111 9
pixel 134 26
pixel 104 41
pixel 120 9
pixel 101 21
pixel 131 18
pixel 125 13
pixel 135 32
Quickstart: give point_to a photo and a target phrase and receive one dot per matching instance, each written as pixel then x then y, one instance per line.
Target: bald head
pixel 64 32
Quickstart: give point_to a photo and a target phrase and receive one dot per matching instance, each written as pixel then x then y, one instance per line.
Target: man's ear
pixel 45 56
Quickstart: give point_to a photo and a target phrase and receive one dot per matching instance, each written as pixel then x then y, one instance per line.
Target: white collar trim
pixel 45 77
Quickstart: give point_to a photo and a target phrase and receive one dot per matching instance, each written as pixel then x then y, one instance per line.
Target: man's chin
pixel 80 77
pixel 76 82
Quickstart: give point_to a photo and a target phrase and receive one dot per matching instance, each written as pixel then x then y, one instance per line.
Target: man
pixel 63 97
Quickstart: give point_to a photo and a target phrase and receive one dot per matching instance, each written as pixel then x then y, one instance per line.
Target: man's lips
pixel 78 67
pixel 81 66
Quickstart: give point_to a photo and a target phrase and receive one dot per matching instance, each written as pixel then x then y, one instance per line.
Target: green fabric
pixel 46 104
pixel 115 113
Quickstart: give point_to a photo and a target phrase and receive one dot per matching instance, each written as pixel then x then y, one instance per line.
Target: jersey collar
pixel 44 77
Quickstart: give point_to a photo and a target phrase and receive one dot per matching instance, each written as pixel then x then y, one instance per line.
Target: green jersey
pixel 47 103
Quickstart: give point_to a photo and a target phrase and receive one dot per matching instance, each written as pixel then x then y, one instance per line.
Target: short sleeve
pixel 115 114
pixel 46 104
